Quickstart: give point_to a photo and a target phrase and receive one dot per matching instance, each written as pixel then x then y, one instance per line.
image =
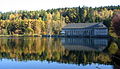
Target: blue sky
pixel 11 5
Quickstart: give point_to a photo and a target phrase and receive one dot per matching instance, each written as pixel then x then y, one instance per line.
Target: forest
pixel 51 21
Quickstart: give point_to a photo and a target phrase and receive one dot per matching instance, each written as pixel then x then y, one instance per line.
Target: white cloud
pixel 9 5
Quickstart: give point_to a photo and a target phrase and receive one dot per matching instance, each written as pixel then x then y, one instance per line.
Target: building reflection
pixel 97 44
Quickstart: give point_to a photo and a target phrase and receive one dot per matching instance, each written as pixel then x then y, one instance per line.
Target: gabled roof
pixel 85 25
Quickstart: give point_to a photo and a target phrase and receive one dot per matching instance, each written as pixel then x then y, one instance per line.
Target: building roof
pixel 85 25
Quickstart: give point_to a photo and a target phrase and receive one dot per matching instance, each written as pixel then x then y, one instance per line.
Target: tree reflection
pixel 115 51
pixel 50 49
pixel 31 48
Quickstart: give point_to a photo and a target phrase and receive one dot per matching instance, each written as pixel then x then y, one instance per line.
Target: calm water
pixel 57 53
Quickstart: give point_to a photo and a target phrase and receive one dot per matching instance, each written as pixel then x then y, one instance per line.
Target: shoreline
pixel 56 36
pixel 20 35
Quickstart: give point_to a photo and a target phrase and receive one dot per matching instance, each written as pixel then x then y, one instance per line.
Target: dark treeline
pixel 51 21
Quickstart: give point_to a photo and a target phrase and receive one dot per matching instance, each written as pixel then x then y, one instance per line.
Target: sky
pixel 12 5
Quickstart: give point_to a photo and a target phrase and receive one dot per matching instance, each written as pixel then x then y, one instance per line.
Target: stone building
pixel 85 29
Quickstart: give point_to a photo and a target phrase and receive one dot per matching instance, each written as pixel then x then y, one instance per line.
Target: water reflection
pixel 116 59
pixel 31 49
pixel 85 43
pixel 114 50
pixel 62 50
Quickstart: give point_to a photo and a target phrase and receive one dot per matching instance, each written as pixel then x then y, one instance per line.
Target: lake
pixel 57 53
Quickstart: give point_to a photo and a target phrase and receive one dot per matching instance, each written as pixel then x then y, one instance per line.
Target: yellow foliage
pixel 113 48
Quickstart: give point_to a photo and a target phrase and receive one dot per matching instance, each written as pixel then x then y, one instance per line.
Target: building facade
pixel 85 29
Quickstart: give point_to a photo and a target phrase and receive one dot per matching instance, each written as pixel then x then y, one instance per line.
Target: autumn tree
pixel 116 23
